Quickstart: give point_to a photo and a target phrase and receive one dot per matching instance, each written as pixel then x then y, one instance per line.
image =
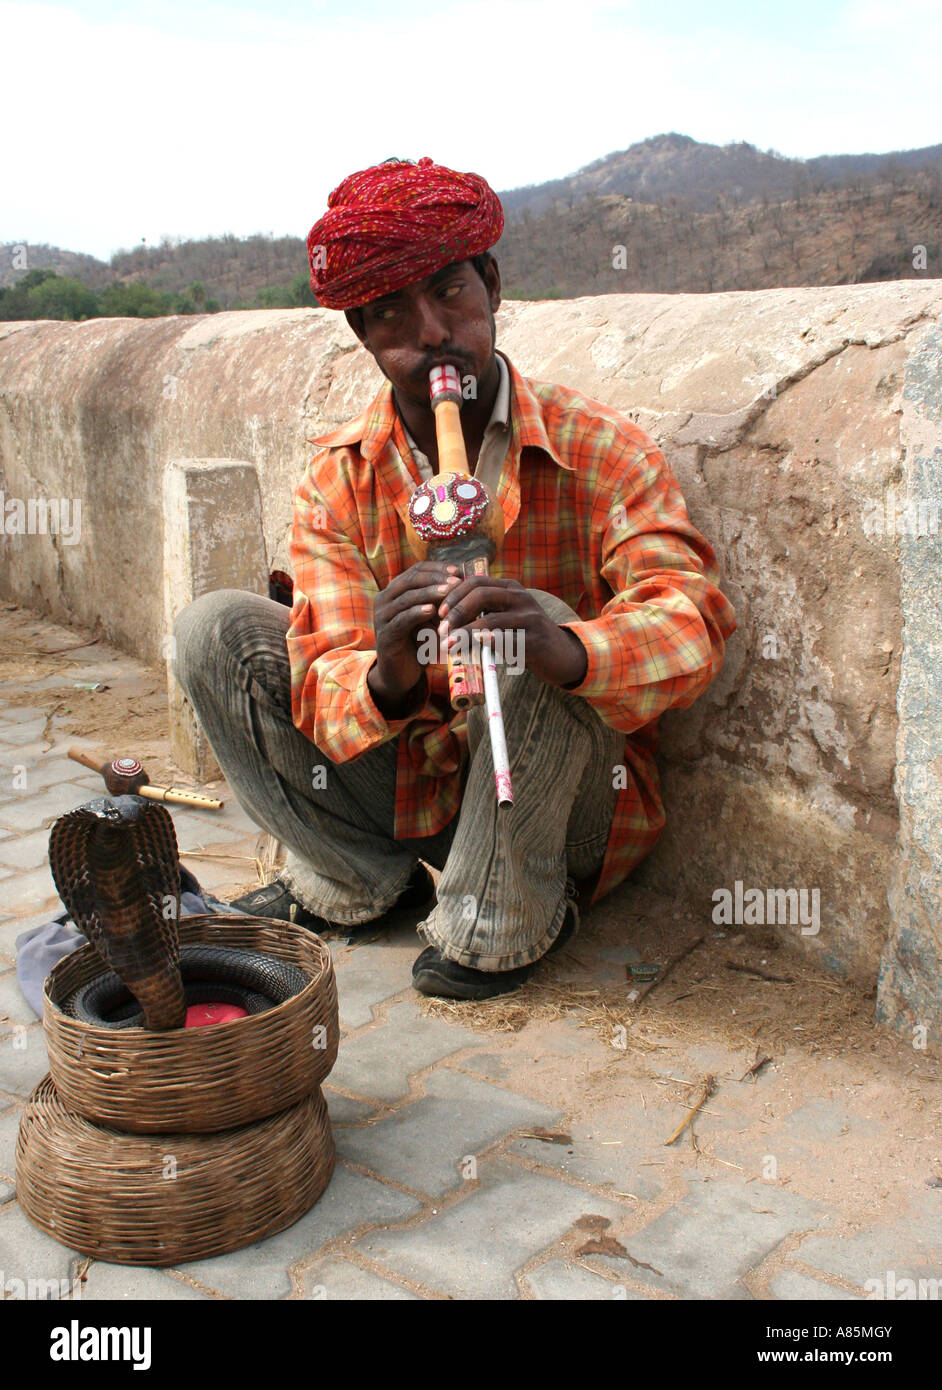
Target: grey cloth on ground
pixel 507 875
pixel 40 948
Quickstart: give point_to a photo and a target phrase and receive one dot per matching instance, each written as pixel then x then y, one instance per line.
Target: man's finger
pixel 457 610
pixel 418 576
pixel 429 597
pixel 477 581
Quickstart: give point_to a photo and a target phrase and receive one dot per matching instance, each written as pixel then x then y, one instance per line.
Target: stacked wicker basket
pixel 155 1148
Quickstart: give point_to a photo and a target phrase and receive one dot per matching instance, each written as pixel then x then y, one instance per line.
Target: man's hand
pixel 400 611
pixel 552 653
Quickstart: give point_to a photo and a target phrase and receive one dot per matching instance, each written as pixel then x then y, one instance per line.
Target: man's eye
pixel 455 288
pixel 387 312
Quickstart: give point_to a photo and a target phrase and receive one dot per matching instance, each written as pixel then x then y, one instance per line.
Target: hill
pixel 690 216
pixel 676 166
pixel 607 244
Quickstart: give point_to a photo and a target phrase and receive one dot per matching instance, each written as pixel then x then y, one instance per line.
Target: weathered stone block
pixel 909 996
pixel 212 540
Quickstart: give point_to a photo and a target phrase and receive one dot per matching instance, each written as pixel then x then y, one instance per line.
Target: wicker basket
pixel 137 1200
pixel 198 1080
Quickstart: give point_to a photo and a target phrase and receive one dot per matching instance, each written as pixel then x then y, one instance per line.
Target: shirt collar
pixel 499 421
pixel 373 429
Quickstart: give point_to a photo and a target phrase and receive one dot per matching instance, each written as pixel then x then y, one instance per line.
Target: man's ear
pixel 492 280
pixel 354 318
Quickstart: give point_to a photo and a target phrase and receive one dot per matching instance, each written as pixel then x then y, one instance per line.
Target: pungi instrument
pixel 453 517
pixel 126 777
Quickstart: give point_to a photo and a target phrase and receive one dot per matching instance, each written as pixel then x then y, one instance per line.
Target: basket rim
pixel 58 1019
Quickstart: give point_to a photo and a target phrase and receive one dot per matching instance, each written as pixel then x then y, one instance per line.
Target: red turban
pixel 396 223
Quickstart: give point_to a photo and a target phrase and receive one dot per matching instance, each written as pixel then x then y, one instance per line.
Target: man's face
pixel 448 317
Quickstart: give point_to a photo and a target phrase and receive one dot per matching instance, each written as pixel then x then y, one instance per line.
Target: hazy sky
pixel 122 122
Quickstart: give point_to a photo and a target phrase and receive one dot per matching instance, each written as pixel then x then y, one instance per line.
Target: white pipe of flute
pixel 495 723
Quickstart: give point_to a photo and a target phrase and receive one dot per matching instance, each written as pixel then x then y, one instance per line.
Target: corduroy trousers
pixel 506 874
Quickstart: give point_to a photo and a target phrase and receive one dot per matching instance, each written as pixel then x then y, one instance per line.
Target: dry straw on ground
pixel 812 1011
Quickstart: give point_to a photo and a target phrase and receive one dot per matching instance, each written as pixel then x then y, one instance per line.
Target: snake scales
pixel 116 868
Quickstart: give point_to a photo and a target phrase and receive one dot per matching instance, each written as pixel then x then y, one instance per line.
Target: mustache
pixel 453 359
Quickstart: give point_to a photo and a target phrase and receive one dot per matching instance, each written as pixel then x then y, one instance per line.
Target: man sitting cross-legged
pixel 335 735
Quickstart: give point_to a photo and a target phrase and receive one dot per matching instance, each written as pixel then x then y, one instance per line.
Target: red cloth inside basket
pixel 203 1015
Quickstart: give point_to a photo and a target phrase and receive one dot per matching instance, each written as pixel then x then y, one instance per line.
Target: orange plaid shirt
pixel 592 513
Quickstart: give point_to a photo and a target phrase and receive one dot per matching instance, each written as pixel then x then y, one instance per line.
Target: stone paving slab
pixel 84 777
pixel 25 755
pixel 47 683
pixel 473 1249
pixel 789 1284
pixel 103 656
pixel 910 1246
pixel 610 1148
pixel 340 1279
pixel 22 714
pixel 22 1068
pixel 7 1192
pixel 344 1111
pixel 15 735
pixel 13 1006
pixel 703 1246
pixel 33 812
pixel 370 974
pixel 217 875
pixel 129 1281
pixel 572 1283
pixel 9 931
pixel 232 814
pixel 205 828
pixel 820 1119
pixel 26 851
pixel 28 1253
pixel 489 1064
pixel 260 1271
pixel 30 892
pixel 430 1146
pixel 44 771
pixel 12 927
pixel 379 1063
pixel 9 1127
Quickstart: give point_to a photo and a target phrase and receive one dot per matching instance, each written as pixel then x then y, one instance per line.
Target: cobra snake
pixel 116 867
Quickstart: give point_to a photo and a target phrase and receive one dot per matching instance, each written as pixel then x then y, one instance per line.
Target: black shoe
pixel 435 974
pixel 276 902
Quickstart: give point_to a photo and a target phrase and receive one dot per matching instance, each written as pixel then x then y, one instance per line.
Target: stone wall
pixel 803 425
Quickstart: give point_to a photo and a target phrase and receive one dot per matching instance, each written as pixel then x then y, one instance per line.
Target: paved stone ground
pixel 475 1164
